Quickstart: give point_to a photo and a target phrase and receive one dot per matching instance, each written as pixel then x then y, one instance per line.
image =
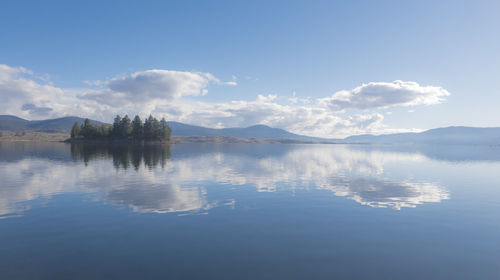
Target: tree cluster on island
pixel 124 129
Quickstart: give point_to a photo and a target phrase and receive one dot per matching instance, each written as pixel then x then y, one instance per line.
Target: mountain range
pixel 13 123
pixel 255 131
pixel 448 135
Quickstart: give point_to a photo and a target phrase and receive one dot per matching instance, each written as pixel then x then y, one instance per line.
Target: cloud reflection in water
pixel 149 179
pixel 383 193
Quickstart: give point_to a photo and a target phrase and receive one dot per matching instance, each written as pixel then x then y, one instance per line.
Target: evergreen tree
pixel 148 128
pixel 156 129
pixel 87 129
pixel 165 130
pixel 103 131
pixel 116 126
pixel 75 130
pixel 125 127
pixel 137 130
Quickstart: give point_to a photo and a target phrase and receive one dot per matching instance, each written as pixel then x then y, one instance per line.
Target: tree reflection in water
pixel 123 155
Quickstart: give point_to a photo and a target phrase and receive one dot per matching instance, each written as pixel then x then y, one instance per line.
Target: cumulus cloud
pixel 161 84
pixel 26 95
pixel 33 109
pixel 384 95
pixel 22 95
pixel 308 120
pixel 161 92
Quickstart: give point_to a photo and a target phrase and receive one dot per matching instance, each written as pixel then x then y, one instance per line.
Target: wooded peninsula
pixel 123 129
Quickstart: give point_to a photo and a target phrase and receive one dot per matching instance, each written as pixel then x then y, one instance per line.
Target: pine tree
pixel 125 127
pixel 165 130
pixel 86 129
pixel 156 129
pixel 115 132
pixel 137 129
pixel 75 130
pixel 148 128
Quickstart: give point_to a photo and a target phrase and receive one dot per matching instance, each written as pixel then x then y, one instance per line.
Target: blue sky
pixel 92 59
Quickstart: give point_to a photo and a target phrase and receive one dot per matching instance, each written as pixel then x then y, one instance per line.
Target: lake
pixel 249 211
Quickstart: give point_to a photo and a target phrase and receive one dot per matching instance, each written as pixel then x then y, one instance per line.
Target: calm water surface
pixel 249 211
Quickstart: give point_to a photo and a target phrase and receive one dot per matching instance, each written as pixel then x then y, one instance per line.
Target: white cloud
pixel 138 93
pixel 384 95
pixel 308 120
pixel 161 92
pixel 165 84
pixel 7 72
pixel 233 82
pixel 22 95
pixel 266 98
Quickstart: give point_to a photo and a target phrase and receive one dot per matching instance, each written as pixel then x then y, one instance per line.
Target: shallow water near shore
pixel 249 211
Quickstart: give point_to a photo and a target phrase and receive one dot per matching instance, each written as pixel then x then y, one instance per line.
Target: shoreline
pixel 200 140
pixel 115 141
pixel 64 138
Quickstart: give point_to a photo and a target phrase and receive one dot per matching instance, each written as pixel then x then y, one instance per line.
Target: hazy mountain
pixel 14 123
pixel 8 122
pixel 256 131
pixel 445 135
pixel 64 124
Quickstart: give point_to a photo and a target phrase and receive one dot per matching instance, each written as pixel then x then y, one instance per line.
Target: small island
pixel 122 129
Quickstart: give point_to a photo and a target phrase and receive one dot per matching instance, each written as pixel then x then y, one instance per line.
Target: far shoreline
pixel 197 139
pixel 64 138
pixel 115 141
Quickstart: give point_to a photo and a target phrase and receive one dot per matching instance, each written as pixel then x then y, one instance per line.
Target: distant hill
pixel 445 135
pixel 13 123
pixel 8 122
pixel 256 131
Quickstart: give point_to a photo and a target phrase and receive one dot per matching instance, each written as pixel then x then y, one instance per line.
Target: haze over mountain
pixel 446 135
pixel 13 123
pixel 255 131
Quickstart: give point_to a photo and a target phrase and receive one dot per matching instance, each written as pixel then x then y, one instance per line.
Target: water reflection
pixel 381 193
pixel 123 156
pixel 29 179
pixel 153 178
